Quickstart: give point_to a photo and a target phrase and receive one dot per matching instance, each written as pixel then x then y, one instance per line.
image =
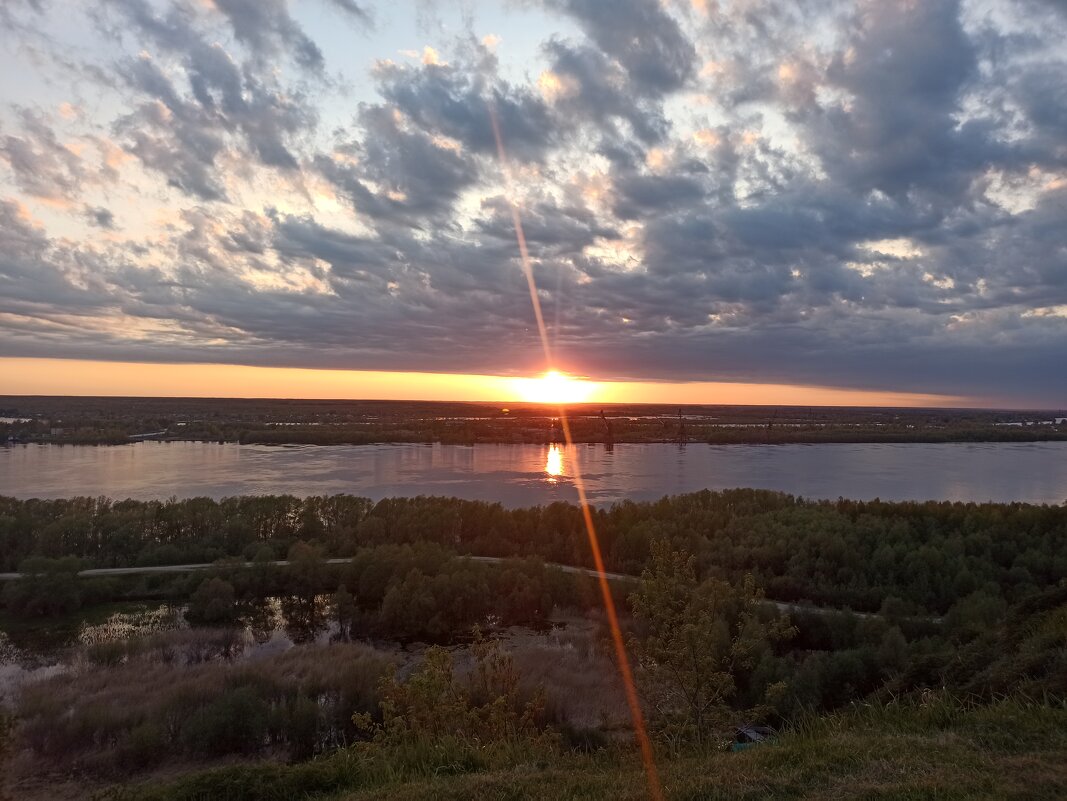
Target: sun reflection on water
pixel 554 462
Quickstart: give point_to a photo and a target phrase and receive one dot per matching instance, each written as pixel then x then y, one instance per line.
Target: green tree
pixel 306 572
pixel 345 609
pixel 212 603
pixel 701 640
pixel 439 714
pixel 50 587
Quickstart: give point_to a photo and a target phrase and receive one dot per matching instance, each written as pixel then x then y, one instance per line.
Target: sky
pixel 724 201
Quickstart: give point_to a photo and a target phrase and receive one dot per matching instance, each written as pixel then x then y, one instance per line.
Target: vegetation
pixel 903 751
pixel 121 420
pixel 52 587
pixel 212 603
pixel 701 645
pixel 966 561
pixel 187 695
pixel 475 720
pixel 960 652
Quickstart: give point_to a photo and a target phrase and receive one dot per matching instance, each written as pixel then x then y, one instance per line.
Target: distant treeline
pixel 318 422
pixel 915 558
pixel 524 431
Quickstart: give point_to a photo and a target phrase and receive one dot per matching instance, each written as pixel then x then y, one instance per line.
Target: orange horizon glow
pixel 555 388
pixel 32 376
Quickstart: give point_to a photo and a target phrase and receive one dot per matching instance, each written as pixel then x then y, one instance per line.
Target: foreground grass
pixel 942 750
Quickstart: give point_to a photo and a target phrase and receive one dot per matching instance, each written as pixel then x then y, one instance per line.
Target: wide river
pixel 523 475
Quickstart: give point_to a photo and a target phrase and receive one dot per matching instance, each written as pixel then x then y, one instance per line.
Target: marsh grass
pixel 134 705
pixel 579 677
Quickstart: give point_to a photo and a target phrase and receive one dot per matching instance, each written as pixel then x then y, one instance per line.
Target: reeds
pixel 133 704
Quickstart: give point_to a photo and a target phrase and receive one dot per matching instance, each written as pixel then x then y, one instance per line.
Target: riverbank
pixel 114 421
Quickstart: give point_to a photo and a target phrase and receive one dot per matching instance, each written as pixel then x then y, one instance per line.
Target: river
pixel 524 475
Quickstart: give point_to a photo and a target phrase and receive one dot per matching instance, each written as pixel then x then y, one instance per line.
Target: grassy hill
pixel 940 749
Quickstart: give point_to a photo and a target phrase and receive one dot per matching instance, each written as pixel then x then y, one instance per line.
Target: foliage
pixel 212 603
pixel 169 698
pixel 51 587
pixel 345 610
pixel 702 640
pixel 111 420
pixel 1024 655
pixel 928 556
pixel 940 748
pixel 7 724
pixel 435 712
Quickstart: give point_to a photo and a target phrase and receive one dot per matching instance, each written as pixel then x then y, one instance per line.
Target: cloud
pixel 266 27
pixel 100 217
pixel 646 41
pixel 183 132
pixel 43 166
pixel 863 194
pixel 457 102
pixel 353 9
pixel 594 89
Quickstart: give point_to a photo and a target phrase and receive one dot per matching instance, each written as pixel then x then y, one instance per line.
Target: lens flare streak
pixel 622 657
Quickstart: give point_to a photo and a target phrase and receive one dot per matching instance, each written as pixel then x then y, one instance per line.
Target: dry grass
pixel 580 678
pixel 130 706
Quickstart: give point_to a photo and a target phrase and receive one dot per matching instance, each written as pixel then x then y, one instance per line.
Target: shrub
pixel 234 723
pixel 212 603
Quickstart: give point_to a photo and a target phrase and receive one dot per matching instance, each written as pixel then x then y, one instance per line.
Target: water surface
pixel 523 475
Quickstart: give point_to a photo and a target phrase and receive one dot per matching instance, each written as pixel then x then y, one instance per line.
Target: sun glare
pixel 555 388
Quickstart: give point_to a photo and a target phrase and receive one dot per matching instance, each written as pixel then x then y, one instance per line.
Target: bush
pixel 212 603
pixel 235 723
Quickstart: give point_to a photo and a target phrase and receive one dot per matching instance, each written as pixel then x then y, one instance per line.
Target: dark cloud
pixel 182 133
pixel 550 229
pixel 398 172
pixel 100 217
pixel 641 36
pixel 903 72
pixel 170 135
pixel 639 196
pixel 458 102
pixel 266 27
pixel 862 194
pixel 594 89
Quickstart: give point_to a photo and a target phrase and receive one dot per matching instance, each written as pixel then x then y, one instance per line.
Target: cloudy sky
pixel 863 196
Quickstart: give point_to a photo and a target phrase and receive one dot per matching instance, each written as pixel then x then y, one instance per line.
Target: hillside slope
pixel 937 750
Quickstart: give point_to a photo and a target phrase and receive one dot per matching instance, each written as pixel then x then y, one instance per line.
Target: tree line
pixel 908 558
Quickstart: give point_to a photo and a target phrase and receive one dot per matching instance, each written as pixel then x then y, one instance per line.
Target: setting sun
pixel 556 388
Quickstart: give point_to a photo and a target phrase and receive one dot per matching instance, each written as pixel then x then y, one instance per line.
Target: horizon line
pixel 60 377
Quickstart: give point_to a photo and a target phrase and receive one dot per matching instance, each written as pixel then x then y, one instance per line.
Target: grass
pixel 49 634
pixel 941 750
pixel 154 702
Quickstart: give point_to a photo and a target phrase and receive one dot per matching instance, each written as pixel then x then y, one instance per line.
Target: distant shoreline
pixel 114 421
pixel 756 438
